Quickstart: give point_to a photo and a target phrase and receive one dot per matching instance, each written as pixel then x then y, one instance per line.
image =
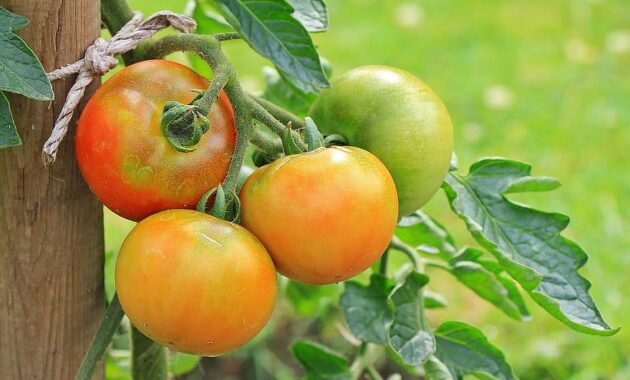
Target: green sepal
pixel 226 207
pixel 233 212
pixel 335 140
pixel 203 202
pixel 314 138
pixel 289 146
pixel 220 203
pixel 183 125
pixel 261 158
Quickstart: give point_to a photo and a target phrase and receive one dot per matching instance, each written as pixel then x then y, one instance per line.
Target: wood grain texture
pixel 51 226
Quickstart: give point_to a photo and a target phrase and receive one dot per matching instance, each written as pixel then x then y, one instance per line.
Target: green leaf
pixel 433 300
pixel 434 369
pixel 314 138
pixel 533 184
pixel 180 363
pixel 464 350
pixel 311 13
pixel 20 70
pixel 427 235
pixel 311 300
pixel 8 132
pixel 208 20
pixel 281 92
pixel 488 286
pixel 321 363
pixel 366 308
pixel 514 295
pixel 409 339
pixel 269 28
pixel 526 242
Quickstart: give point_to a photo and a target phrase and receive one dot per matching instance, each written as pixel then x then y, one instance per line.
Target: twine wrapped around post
pixel 99 59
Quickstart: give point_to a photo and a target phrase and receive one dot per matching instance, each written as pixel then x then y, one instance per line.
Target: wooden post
pixel 51 226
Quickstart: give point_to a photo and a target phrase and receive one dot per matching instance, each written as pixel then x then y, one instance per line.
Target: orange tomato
pixel 195 283
pixel 325 215
pixel 124 157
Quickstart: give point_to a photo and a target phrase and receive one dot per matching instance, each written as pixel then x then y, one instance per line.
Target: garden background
pixel 545 82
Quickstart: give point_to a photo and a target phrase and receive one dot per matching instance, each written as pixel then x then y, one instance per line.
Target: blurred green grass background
pixel 545 82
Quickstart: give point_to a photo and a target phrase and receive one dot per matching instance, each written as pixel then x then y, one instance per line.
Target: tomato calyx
pixel 314 138
pixel 225 206
pixel 183 125
pixel 335 140
pixel 311 135
pixel 261 158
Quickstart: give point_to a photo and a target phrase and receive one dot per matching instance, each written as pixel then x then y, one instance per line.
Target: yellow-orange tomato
pixel 325 215
pixel 195 283
pixel 125 159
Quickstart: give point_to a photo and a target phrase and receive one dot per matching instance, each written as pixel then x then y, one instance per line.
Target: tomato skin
pixel 325 216
pixel 125 159
pixel 399 119
pixel 195 283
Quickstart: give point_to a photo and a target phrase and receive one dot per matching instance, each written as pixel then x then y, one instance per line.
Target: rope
pixel 100 58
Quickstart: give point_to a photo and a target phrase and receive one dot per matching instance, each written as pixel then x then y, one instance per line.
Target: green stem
pixel 384 258
pixel 357 366
pixel 409 251
pixel 262 115
pixel 374 375
pixel 419 264
pixel 364 361
pixel 279 113
pixel 115 14
pixel 219 80
pixel 267 143
pixel 148 361
pixel 109 324
pixel 209 49
pixel 227 36
pixel 244 133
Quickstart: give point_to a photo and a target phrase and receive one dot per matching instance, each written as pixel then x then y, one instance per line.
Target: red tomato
pixel 124 157
pixel 325 215
pixel 195 283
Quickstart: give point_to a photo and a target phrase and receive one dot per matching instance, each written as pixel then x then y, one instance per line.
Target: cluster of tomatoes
pixel 202 285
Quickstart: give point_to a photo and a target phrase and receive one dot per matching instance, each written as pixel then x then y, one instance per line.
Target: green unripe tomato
pixel 399 119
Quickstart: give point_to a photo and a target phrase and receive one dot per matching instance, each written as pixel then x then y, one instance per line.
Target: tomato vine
pixel 530 256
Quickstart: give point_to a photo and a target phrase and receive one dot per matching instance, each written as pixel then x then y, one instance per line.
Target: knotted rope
pixel 99 59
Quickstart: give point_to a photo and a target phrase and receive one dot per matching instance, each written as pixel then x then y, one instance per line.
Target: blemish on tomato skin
pixel 166 216
pixel 209 239
pixel 135 172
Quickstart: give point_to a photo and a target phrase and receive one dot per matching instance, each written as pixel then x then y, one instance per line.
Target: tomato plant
pixel 195 283
pixel 396 116
pixel 338 193
pixel 124 156
pixel 305 208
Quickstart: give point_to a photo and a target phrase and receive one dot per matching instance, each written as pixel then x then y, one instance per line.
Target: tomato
pixel 325 215
pixel 124 157
pixel 195 283
pixel 398 118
